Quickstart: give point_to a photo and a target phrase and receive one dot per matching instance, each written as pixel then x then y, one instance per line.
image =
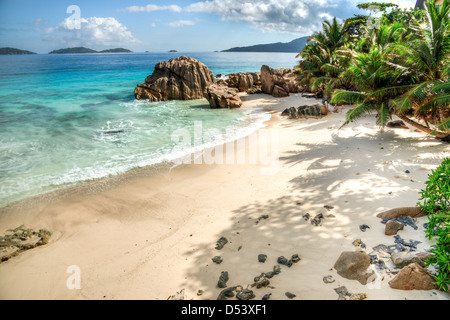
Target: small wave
pixel 121 132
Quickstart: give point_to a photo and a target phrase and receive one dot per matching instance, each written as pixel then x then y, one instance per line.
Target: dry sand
pixel 151 233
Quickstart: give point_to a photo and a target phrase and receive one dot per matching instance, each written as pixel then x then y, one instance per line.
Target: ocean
pixel 65 119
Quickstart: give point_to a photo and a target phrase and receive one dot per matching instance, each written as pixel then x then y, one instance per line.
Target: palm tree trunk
pixel 436 133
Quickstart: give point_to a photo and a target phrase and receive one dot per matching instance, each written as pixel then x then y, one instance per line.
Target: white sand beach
pixel 151 233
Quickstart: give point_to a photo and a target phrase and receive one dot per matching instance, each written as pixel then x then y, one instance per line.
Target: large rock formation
pixel 279 82
pixel 314 111
pixel 220 96
pixel 244 81
pixel 182 78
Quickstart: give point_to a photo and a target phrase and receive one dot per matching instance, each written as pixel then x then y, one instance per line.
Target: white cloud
pixel 288 16
pixel 153 7
pixel 181 23
pixel 91 31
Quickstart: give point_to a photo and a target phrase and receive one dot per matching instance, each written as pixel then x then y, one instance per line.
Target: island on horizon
pixel 295 46
pixel 12 51
pixel 88 50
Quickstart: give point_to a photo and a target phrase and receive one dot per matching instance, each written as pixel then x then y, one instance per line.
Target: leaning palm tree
pixel 377 83
pixel 399 76
pixel 376 78
pixel 427 55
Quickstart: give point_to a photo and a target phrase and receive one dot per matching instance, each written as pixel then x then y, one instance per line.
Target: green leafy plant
pixel 436 203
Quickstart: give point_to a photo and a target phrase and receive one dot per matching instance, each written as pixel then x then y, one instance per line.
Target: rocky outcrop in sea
pixel 182 78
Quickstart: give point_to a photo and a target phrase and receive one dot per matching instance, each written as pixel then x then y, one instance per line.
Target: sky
pixel 159 26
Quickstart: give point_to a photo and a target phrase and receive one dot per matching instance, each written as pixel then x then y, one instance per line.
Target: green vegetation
pixel 9 51
pixel 436 203
pixel 87 50
pixel 73 50
pixel 116 50
pixel 396 64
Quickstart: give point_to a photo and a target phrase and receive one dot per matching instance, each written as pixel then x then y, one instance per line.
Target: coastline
pixel 151 233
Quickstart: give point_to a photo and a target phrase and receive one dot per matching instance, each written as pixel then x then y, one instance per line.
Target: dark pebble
pixel 221 243
pixel 217 260
pixel 223 279
pixel 245 294
pixel 364 227
pixel 266 296
pixel 262 258
pixel 290 295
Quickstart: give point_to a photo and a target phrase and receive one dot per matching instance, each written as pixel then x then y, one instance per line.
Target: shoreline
pixel 149 234
pixel 168 161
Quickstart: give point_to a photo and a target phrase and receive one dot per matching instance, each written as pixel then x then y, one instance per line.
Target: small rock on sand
pixel 354 265
pixel 317 219
pixel 344 294
pixel 217 259
pixel 412 277
pixel 364 227
pixel 392 227
pixel 266 296
pixel 245 294
pixel 221 243
pixel 328 279
pixel 223 279
pixel 290 295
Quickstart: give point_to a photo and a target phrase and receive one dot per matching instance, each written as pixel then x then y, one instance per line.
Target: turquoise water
pixel 65 119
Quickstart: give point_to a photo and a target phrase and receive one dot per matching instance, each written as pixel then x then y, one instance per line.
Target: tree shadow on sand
pixel 369 173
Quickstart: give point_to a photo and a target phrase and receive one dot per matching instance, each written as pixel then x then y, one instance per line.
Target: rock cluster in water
pixel 182 78
pixel 185 78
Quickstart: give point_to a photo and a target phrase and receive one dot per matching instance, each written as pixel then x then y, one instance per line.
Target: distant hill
pixel 8 50
pixel 73 50
pixel 87 50
pixel 116 50
pixel 295 46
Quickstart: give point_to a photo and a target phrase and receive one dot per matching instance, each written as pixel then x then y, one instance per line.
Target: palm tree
pixel 427 55
pixel 414 67
pixel 376 81
pixel 309 68
pixel 376 77
pixel 322 64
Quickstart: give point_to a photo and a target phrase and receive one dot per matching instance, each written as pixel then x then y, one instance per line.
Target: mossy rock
pixel 21 239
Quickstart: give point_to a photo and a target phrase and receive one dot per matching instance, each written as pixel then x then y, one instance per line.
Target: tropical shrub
pixel 436 203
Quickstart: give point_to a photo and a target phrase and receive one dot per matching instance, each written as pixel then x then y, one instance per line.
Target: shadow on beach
pixel 357 174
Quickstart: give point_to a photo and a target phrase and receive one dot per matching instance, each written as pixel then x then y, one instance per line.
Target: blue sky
pixel 158 26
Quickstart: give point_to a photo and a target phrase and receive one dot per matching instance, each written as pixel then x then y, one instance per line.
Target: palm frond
pixel 384 115
pixel 358 111
pixel 349 97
